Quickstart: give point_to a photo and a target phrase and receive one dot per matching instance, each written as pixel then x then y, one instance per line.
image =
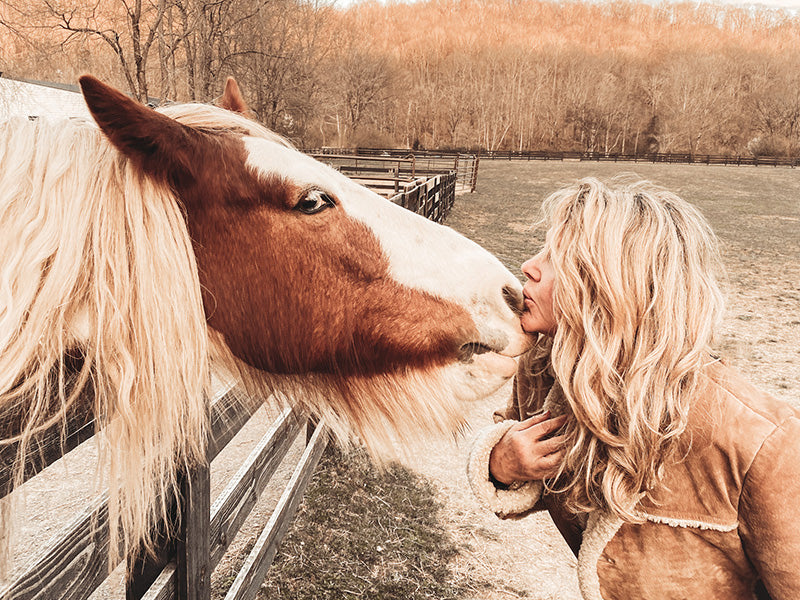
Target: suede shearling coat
pixel 725 522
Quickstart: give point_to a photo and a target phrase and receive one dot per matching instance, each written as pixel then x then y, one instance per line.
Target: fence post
pixel 475 171
pixel 194 548
pixel 191 550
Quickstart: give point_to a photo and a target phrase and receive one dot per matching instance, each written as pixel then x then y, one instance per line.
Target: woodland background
pixel 614 77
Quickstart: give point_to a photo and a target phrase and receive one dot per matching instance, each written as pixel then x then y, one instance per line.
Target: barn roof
pixel 40 99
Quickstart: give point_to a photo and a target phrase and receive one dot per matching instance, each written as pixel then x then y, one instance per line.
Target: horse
pixel 142 248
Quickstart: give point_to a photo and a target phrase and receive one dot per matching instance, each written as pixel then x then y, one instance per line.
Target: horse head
pixel 311 277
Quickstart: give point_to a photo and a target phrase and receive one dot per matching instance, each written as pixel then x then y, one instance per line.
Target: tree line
pixel 614 77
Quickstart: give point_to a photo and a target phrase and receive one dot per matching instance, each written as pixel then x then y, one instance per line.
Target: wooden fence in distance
pixel 658 157
pixel 431 197
pixel 425 191
pixel 401 164
pixel 76 562
pixel 681 158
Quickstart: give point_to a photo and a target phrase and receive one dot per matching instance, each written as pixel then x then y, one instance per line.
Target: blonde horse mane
pixel 97 264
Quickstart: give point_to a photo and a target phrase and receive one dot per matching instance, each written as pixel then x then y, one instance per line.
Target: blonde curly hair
pixel 637 302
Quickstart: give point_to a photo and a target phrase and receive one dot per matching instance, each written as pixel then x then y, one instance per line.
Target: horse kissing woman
pixel 668 475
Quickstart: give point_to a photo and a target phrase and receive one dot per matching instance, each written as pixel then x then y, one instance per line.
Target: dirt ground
pixel 756 213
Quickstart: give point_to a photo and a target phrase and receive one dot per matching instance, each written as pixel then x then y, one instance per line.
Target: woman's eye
pixel 313 202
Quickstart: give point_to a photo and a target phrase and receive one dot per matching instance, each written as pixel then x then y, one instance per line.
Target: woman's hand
pixel 523 454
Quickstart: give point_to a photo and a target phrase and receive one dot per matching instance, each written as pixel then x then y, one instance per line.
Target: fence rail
pixel 77 561
pixel 432 197
pixel 403 163
pixel 658 157
pixel 683 158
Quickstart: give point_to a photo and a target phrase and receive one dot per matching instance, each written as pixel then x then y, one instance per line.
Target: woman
pixel 671 476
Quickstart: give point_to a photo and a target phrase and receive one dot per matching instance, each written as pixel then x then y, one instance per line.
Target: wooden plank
pixel 56 441
pixel 164 587
pixel 71 568
pixel 349 158
pixel 77 560
pixel 252 573
pixel 236 501
pixel 48 446
pixel 229 413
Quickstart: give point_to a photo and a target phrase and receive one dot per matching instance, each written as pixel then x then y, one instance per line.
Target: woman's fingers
pixel 543 427
pixel 534 420
pixel 526 453
pixel 548 465
pixel 552 445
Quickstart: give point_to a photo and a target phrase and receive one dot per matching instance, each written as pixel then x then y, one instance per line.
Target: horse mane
pixel 205 116
pixel 97 269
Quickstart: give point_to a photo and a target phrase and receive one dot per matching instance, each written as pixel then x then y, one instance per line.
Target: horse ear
pixel 232 99
pixel 160 146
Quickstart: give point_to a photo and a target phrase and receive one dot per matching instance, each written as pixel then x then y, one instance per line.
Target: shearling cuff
pixel 518 498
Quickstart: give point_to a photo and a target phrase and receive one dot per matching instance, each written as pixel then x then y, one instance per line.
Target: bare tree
pixel 360 84
pixel 130 31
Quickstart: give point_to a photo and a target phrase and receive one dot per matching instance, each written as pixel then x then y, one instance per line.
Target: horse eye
pixel 314 202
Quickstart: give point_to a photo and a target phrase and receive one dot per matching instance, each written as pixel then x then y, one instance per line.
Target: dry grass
pixel 365 533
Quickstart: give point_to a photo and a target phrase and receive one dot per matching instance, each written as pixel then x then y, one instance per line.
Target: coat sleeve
pixel 516 499
pixel 769 511
pixel 530 387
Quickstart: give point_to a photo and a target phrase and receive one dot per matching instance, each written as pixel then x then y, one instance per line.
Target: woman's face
pixel 538 316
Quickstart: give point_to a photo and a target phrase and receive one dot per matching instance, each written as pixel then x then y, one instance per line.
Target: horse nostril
pixel 513 298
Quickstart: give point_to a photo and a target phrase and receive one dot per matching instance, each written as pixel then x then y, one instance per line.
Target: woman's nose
pixel 531 270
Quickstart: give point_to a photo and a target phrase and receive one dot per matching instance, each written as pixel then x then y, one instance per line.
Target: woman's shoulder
pixel 727 397
pixel 730 423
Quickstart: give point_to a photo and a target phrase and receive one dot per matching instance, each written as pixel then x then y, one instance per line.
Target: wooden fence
pixel 703 159
pixel 431 197
pixel 660 157
pixel 401 164
pixel 76 562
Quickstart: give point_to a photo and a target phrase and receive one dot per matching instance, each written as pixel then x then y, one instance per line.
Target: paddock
pixel 755 214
